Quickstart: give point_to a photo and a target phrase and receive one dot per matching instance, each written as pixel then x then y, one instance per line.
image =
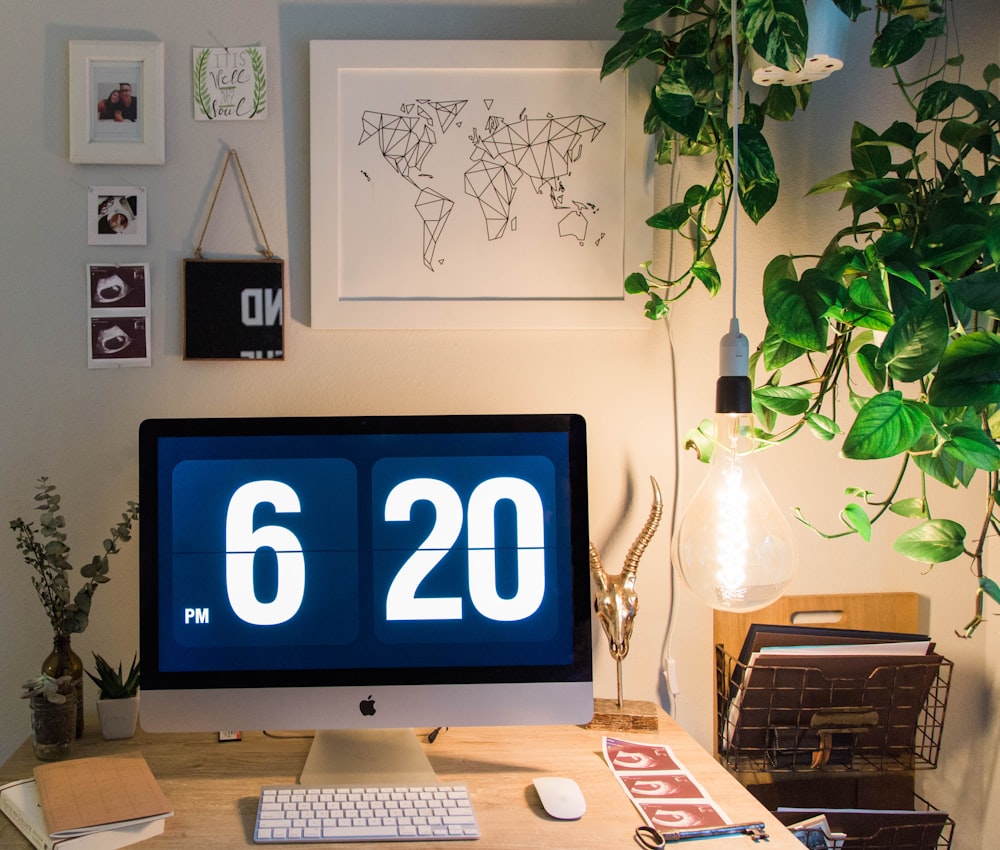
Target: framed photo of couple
pixel 116 102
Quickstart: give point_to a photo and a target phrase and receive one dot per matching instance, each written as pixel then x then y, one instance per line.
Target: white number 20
pixel 402 602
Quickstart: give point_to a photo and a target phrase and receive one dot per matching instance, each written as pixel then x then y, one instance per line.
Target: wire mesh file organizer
pixel 925 828
pixel 831 713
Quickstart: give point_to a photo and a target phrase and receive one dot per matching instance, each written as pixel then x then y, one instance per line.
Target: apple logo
pixel 367 706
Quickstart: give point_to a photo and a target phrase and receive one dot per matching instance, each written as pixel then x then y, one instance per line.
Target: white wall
pixel 79 426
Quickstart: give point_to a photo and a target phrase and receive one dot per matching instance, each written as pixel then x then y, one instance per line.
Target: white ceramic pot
pixel 118 717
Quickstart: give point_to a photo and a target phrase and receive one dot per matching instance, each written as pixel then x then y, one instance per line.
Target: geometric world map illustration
pixel 539 152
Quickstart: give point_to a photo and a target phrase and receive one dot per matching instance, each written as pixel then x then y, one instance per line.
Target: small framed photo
pixel 116 102
pixel 118 315
pixel 116 215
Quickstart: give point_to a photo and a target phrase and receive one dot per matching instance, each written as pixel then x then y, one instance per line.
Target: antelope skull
pixel 616 601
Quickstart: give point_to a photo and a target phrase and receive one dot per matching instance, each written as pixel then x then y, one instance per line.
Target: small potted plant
pixel 53 714
pixel 118 704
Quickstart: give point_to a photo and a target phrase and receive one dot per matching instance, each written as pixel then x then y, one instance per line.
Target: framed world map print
pixel 474 185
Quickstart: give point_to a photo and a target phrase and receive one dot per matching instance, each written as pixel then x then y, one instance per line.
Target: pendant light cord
pixel 735 202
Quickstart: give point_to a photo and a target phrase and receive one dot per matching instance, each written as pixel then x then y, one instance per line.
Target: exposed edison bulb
pixel 733 546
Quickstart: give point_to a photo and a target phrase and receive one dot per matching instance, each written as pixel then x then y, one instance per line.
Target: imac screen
pixel 344 572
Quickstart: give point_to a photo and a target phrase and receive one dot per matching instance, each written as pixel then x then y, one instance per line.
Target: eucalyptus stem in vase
pixel 44 550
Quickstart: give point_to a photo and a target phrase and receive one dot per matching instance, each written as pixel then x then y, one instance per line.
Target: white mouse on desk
pixel 561 797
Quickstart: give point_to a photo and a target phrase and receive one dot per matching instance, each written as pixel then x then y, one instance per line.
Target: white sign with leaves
pixel 229 83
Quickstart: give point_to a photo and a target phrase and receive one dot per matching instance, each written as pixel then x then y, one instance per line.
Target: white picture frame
pixel 106 132
pixel 573 231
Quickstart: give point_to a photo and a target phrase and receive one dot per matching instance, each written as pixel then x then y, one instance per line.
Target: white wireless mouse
pixel 561 797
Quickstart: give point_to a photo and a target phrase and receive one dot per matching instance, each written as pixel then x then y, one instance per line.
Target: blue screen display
pixel 341 550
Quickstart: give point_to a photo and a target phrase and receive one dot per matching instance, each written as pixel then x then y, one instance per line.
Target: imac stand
pixel 366 757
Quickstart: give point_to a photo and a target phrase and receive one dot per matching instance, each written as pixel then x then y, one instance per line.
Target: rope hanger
pixel 232 155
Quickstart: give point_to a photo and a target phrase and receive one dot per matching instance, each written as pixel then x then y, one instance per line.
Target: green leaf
pixel 674 101
pixel 962 134
pixel 781 102
pixel 822 426
pixel 884 427
pixel 851 8
pixel 637 13
pixel 901 39
pixel 980 291
pixel 673 217
pixel 877 191
pixel 932 542
pixel 630 48
pixel 990 588
pixel 636 283
pixel 781 267
pixel 941 94
pixel 904 135
pixel 698 194
pixel 855 518
pixel 777 352
pixel 701 439
pixel 911 508
pixel 941 466
pixel 704 270
pixel 867 358
pixel 778 30
pixel 656 308
pixel 700 79
pixel 974 447
pixel 869 291
pixel 696 41
pixel 869 156
pixel 840 182
pixel 672 97
pixel 969 373
pixel 758 187
pixel 791 401
pixel 796 309
pixel 767 418
pixel 915 343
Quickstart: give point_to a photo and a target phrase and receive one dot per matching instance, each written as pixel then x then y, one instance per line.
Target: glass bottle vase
pixel 53 727
pixel 63 661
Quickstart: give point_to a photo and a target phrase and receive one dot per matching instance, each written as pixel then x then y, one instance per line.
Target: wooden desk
pixel 214 787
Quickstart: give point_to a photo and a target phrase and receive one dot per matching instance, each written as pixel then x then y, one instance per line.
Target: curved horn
pixel 597 569
pixel 648 530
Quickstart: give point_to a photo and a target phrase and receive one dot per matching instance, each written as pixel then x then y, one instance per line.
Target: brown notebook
pixel 90 794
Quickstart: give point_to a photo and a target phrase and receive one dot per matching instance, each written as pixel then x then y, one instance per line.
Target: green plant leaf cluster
pixel 899 315
pixel 690 114
pixel 44 550
pixel 43 686
pixel 115 684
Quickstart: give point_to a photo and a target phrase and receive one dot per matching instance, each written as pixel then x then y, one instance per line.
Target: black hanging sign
pixel 234 309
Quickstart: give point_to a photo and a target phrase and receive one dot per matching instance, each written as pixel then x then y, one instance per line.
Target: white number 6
pixel 242 543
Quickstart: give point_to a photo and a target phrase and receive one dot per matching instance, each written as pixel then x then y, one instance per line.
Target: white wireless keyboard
pixel 289 814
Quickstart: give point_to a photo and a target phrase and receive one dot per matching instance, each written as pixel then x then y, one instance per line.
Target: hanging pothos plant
pixel 899 314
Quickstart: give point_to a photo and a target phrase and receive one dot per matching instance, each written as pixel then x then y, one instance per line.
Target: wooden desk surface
pixel 214 787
